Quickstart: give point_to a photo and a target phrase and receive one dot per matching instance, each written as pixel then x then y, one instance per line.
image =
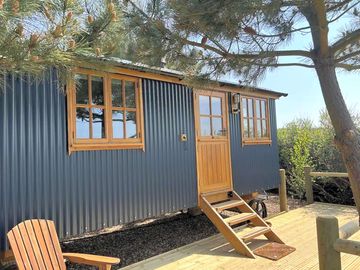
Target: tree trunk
pixel 347 138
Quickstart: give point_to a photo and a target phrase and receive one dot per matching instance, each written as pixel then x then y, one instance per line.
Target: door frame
pixel 197 92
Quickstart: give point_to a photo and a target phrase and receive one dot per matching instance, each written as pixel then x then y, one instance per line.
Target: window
pixel 255 121
pixel 105 112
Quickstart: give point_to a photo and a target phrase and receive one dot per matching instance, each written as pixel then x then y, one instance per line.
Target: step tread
pixel 227 205
pixel 239 218
pixel 257 231
pixel 211 193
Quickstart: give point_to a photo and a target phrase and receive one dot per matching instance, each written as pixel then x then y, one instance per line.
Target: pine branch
pixel 339 5
pixel 348 67
pixel 344 12
pixel 347 56
pixel 349 39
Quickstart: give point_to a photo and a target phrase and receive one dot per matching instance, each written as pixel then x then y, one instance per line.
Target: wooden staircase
pixel 213 203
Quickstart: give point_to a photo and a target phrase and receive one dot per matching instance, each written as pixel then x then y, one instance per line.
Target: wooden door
pixel 212 141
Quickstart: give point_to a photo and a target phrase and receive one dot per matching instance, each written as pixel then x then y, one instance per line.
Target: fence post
pixel 282 192
pixel 308 186
pixel 327 233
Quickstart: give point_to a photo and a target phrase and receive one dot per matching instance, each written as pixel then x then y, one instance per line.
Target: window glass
pixel 116 93
pixel 131 125
pixel 82 89
pixel 258 128
pixel 216 106
pixel 205 126
pixel 82 123
pixel 251 129
pixel 130 95
pixel 97 87
pixel 264 128
pixel 204 105
pixel 118 124
pixel 246 129
pixel 217 126
pixel 258 115
pixel 244 106
pixel 250 108
pixel 263 109
pixel 98 123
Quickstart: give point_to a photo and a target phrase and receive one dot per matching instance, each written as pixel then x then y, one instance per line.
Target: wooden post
pixel 282 192
pixel 308 186
pixel 327 234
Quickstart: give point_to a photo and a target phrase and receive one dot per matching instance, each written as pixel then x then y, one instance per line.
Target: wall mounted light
pixel 235 103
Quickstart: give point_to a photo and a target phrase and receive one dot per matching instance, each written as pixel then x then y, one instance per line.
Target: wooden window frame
pixel 108 143
pixel 256 139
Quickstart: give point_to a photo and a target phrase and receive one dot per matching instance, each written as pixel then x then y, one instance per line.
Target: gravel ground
pixel 141 240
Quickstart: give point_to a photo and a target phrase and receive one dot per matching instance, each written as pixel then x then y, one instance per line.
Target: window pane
pixel 82 89
pixel 258 108
pixel 259 132
pixel 205 126
pixel 131 131
pixel 246 129
pixel 264 127
pixel 116 93
pixel 263 109
pixel 130 94
pixel 216 106
pixel 204 105
pixel 217 127
pixel 244 107
pixel 97 86
pixel 118 124
pixel 82 123
pixel 251 129
pixel 98 126
pixel 250 107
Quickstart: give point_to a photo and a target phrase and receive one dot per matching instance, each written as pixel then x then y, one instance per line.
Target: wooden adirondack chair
pixel 35 245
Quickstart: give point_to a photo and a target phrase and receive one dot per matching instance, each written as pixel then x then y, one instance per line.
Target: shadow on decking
pixel 297 228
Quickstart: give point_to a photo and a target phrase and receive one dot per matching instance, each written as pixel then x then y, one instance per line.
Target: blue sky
pixel 305 97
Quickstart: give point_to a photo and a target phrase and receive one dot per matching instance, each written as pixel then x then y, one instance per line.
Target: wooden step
pixel 237 219
pixel 211 193
pixel 227 205
pixel 257 231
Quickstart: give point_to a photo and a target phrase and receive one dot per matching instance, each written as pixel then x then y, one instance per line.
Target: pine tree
pixel 214 37
pixel 36 34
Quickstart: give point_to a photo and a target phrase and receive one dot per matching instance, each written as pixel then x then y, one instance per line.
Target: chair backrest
pixel 35 245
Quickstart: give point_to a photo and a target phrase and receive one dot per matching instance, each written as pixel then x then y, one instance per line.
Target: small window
pixel 105 112
pixel 255 121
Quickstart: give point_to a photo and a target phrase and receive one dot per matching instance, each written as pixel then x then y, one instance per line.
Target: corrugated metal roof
pixel 178 74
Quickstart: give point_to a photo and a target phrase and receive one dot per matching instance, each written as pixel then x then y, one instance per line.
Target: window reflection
pixel 216 106
pixel 98 123
pixel 82 123
pixel 82 89
pixel 204 105
pixel 131 131
pixel 205 126
pixel 116 90
pixel 217 127
pixel 118 124
pixel 130 94
pixel 97 87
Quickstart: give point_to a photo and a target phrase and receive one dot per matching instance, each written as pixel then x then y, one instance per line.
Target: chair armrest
pixel 89 259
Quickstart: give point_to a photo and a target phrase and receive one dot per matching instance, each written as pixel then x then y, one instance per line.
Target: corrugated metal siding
pixel 254 167
pixel 91 190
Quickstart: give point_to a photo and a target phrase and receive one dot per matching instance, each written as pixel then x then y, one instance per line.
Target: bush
pixel 303 144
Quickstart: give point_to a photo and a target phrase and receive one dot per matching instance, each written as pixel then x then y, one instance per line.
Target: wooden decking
pixel 297 228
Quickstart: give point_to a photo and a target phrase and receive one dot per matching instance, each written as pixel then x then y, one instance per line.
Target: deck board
pixel 297 228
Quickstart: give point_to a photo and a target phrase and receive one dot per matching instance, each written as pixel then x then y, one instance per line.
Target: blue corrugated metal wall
pixel 254 167
pixel 91 190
